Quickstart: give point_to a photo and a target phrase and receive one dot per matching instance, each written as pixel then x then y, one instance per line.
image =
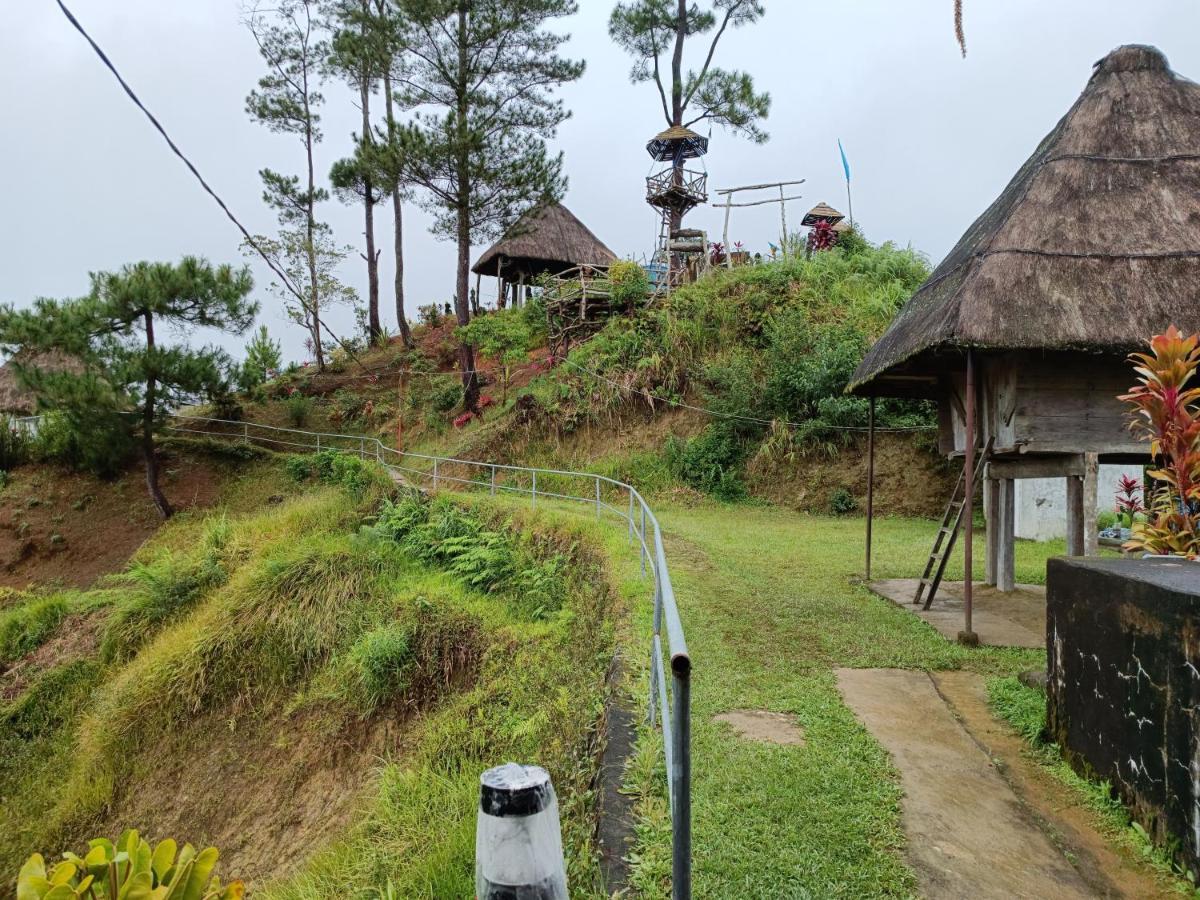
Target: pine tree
pixel 129 381
pixel 286 101
pixel 646 29
pixel 481 76
pixel 358 55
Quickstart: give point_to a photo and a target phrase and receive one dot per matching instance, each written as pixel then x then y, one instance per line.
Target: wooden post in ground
pixel 1006 535
pixel 1075 542
pixel 725 233
pixel 870 479
pixel 967 635
pixel 1091 477
pixel 991 506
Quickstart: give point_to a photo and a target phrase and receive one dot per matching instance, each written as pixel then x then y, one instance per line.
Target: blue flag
pixel 845 163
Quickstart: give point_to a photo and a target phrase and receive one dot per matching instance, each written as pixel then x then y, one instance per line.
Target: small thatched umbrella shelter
pixel 1020 334
pixel 546 239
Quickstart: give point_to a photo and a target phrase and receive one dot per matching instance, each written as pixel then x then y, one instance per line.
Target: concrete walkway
pixel 1013 619
pixel 968 835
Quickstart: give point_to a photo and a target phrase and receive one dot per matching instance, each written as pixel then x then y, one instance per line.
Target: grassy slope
pixel 277 638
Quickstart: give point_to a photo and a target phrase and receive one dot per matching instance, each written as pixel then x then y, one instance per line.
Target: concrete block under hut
pixel 1021 334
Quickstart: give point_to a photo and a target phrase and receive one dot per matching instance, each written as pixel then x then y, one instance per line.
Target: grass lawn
pixel 771 603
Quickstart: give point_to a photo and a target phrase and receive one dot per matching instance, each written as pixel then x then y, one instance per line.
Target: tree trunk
pixel 364 90
pixel 462 311
pixel 398 219
pixel 148 455
pixel 310 223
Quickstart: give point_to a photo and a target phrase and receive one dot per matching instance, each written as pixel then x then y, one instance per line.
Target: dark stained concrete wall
pixel 1123 688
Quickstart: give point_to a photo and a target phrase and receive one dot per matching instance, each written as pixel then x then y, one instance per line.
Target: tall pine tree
pixel 286 101
pixel 650 29
pixel 481 76
pixel 128 380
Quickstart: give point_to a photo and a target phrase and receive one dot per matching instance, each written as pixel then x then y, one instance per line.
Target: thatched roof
pixel 822 212
pixel 1094 245
pixel 677 142
pixel 549 239
pixel 15 399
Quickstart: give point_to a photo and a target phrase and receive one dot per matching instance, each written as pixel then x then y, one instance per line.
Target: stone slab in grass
pixel 1001 619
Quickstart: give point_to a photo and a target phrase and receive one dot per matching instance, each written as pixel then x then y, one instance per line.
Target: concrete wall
pixel 1123 686
pixel 1041 503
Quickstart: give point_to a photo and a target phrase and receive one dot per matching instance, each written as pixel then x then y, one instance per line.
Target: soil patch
pixel 59 527
pixel 76 637
pixel 761 725
pixel 968 835
pixel 250 787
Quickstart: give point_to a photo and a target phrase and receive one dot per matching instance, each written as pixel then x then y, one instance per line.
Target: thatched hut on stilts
pixel 548 239
pixel 1020 335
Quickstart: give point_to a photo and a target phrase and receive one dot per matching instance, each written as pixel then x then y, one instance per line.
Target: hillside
pixel 729 388
pixel 322 673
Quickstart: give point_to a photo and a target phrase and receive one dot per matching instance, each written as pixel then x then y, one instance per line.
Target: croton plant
pixel 1166 411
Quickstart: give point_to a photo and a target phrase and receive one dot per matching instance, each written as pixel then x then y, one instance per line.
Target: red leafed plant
pixel 822 236
pixel 486 400
pixel 460 421
pixel 1129 499
pixel 1166 410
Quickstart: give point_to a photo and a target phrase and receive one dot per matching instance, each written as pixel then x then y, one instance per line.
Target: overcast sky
pixel 932 138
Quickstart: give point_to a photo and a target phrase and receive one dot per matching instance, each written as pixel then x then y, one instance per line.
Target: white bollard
pixel 518 844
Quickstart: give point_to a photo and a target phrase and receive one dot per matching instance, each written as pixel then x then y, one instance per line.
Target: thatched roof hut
pixel 550 239
pixel 1093 246
pixel 1020 334
pixel 17 400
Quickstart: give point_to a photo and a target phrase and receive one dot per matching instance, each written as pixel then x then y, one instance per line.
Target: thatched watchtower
pixel 1021 333
pixel 548 239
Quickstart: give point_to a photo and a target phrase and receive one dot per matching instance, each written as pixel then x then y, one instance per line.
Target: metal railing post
pixel 246 432
pixel 493 481
pixel 362 448
pixel 435 474
pixel 643 550
pixel 681 778
pixel 533 495
pixel 631 515
pixel 318 443
pixel 597 496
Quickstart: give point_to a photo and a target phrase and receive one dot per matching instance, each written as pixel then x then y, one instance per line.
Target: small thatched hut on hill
pixel 1020 334
pixel 15 399
pixel 548 239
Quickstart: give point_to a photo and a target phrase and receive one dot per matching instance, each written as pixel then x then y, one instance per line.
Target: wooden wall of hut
pixel 1032 403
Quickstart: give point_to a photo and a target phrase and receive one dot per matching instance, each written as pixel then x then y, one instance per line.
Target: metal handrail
pixel 674 712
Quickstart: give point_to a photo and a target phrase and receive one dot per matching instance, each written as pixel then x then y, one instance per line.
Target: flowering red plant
pixel 1129 501
pixel 822 236
pixel 1166 409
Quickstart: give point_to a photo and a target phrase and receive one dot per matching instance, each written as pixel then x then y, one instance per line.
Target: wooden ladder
pixel 947 534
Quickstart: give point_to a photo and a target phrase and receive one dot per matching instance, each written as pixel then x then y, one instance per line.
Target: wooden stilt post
pixel 478 285
pixel 1091 477
pixel 499 286
pixel 870 479
pixel 991 509
pixel 1075 544
pixel 967 635
pixel 782 223
pixel 1006 535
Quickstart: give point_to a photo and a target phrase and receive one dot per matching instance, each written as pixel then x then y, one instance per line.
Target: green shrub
pixel 710 462
pixel 380 662
pixel 161 590
pixel 447 396
pixel 299 467
pixel 842 502
pixel 1106 518
pixel 629 283
pixel 49 702
pixel 15 444
pixel 25 627
pixel 99 444
pixel 298 408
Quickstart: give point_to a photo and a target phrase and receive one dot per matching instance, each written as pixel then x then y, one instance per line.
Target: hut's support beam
pixel 1091 479
pixel 1005 517
pixel 968 635
pixel 991 503
pixel 870 479
pixel 1074 516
